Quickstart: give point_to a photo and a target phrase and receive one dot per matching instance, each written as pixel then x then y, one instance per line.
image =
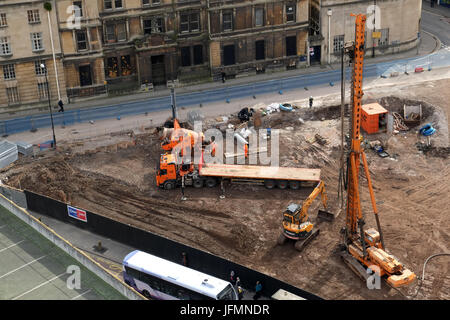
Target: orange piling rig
pixel 364 247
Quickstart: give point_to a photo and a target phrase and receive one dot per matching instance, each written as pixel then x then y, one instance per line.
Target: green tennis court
pixel 33 268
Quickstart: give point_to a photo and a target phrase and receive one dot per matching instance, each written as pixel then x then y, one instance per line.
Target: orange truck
pixel 170 175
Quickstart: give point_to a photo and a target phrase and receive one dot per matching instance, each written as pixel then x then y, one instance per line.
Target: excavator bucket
pixel 325 215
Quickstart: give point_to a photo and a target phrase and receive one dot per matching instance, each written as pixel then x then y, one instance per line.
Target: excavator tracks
pixel 301 244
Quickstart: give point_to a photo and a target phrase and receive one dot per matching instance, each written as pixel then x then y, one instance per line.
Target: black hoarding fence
pixel 162 247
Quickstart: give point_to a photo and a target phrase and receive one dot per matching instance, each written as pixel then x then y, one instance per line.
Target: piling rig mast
pixel 364 248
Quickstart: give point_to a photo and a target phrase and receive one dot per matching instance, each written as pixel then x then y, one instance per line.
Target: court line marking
pixel 12 271
pixel 38 286
pixel 15 244
pixel 81 294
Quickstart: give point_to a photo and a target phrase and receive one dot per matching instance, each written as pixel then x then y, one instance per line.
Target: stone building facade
pixel 106 45
pixel 25 45
pixel 392 29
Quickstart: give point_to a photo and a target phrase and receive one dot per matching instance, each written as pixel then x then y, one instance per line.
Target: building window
pixel 3 22
pixel 259 17
pixel 227 21
pixel 228 55
pixel 85 75
pixel 78 8
pixel 189 22
pixel 42 90
pixel 108 4
pixel 9 72
pixel 5 47
pixel 36 41
pixel 290 12
pixel 112 67
pixel 291 46
pixel 121 31
pixel 112 4
pixel 384 39
pixel 13 95
pixel 37 68
pixel 81 40
pixel 148 2
pixel 338 43
pixel 153 25
pixel 116 32
pixel 125 66
pixel 110 32
pixel 260 52
pixel 191 55
pixel 185 56
pixel 33 16
pixel 198 54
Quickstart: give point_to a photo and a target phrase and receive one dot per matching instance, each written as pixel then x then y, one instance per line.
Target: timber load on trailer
pixel 260 172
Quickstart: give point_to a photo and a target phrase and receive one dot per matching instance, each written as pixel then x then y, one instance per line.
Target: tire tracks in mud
pixel 215 228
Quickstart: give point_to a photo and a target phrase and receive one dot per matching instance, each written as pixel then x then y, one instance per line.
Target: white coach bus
pixel 157 278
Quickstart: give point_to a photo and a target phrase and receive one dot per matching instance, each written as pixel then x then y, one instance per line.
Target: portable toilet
pixel 373 118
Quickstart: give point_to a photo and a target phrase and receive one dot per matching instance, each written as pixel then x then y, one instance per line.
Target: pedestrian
pixel 223 77
pixel 184 259
pixel 258 289
pixel 238 282
pixel 61 106
pixel 232 279
pixel 240 293
pixel 311 100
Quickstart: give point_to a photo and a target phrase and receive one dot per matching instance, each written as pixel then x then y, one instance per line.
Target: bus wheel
pixel 269 184
pixel 211 182
pixel 198 183
pixel 146 294
pixel 169 185
pixel 294 185
pixel 283 184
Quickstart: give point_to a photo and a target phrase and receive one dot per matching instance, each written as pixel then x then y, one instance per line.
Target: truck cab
pixel 166 172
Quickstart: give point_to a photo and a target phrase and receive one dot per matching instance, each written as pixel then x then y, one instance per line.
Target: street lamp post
pixel 329 13
pixel 49 104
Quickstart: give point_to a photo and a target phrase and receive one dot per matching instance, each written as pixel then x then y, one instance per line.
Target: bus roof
pixel 175 273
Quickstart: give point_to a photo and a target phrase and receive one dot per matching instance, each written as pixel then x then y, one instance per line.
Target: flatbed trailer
pixel 267 175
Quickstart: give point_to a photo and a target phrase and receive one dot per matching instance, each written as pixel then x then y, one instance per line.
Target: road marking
pixel 37 287
pixel 80 295
pixel 8 273
pixel 15 244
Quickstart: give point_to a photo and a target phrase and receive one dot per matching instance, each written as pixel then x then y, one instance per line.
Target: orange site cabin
pixel 374 118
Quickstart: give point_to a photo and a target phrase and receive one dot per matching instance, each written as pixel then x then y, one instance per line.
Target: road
pixel 328 78
pixel 436 24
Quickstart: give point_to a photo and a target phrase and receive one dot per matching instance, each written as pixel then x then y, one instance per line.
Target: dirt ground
pixel 411 189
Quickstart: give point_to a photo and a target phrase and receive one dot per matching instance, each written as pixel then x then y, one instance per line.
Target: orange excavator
pixel 361 248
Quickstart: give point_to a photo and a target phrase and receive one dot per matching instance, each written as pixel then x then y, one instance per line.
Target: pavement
pixel 33 268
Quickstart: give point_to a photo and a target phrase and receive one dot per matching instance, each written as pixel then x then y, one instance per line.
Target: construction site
pixel 115 175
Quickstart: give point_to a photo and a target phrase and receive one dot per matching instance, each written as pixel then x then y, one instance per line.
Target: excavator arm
pixel 319 189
